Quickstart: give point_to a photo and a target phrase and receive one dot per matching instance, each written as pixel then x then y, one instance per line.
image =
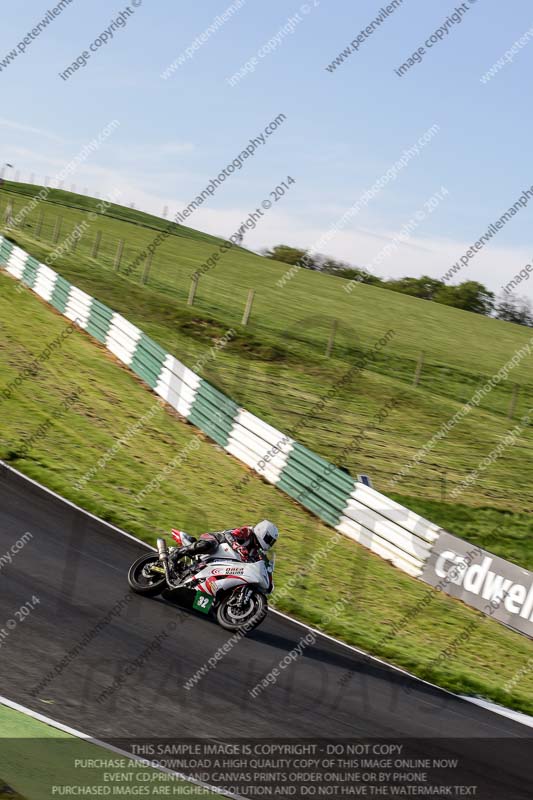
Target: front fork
pixel 162 550
pixel 242 597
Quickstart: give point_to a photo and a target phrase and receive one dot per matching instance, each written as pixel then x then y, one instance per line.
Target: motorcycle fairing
pixel 219 574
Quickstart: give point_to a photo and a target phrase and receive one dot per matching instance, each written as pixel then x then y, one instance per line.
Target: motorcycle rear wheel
pixel 141 581
pixel 233 618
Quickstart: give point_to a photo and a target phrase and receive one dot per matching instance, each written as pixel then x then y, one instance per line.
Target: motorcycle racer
pixel 224 573
pixel 248 541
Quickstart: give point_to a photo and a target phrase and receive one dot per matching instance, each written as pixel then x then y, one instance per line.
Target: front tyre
pixel 142 580
pixel 236 613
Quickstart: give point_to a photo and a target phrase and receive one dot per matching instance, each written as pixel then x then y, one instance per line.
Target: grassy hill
pixel 77 407
pixel 276 366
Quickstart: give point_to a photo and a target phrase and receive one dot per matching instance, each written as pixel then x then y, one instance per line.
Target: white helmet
pixel 266 534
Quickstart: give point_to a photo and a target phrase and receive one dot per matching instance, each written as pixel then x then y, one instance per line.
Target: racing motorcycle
pixel 220 584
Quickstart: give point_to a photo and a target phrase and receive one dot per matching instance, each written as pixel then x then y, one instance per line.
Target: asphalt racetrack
pixel 76 567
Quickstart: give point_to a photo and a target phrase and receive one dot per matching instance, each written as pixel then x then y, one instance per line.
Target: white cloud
pixel 21 128
pixel 141 155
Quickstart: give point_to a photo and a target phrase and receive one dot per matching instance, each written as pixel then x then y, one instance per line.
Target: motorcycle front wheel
pixel 142 580
pixel 233 615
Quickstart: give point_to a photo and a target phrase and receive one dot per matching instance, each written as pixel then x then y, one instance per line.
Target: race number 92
pixel 202 602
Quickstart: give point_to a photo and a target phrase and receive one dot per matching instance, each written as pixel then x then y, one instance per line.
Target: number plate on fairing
pixel 202 602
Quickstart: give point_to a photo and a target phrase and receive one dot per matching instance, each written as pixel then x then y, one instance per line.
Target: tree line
pixel 469 295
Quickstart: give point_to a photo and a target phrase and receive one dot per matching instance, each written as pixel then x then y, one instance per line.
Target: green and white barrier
pixel 177 384
pixel 359 512
pixel 259 445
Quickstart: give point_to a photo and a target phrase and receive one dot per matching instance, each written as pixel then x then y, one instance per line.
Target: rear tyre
pixel 142 581
pixel 234 616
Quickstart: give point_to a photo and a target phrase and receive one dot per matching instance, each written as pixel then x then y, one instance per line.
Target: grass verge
pixel 35 758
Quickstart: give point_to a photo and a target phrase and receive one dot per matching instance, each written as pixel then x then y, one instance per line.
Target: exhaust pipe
pixel 162 550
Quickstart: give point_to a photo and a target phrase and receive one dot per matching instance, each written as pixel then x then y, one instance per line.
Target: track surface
pixel 76 566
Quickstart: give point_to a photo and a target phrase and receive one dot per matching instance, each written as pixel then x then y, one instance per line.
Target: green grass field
pixel 276 366
pixel 35 757
pixel 202 494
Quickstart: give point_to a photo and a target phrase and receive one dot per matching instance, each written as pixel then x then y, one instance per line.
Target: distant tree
pixel 424 287
pixel 470 296
pixel 331 265
pixel 357 274
pixel 341 269
pixel 511 308
pixel 291 255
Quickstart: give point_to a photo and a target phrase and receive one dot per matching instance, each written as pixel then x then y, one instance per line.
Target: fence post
pixel 192 289
pixel 443 487
pixel 74 242
pixel 118 256
pixel 514 399
pixel 147 265
pixel 9 214
pixel 39 227
pixel 419 367
pixel 248 309
pixel 96 245
pixel 331 340
pixel 57 230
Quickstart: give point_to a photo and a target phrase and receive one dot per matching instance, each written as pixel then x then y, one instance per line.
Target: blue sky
pixel 343 129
